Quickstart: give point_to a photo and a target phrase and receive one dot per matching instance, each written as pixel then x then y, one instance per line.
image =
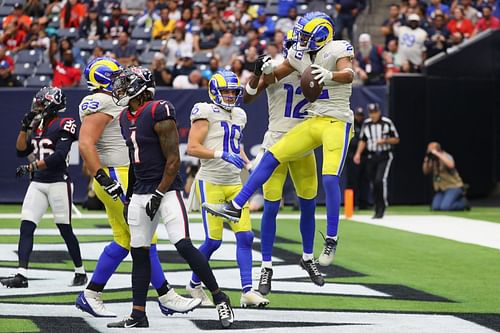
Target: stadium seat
pixel 71 33
pixel 157 44
pixel 31 56
pixel 141 33
pixel 12 2
pixel 259 2
pixel 44 69
pixel 132 21
pixel 85 55
pixel 272 10
pixel 54 23
pixel 108 45
pixel 146 57
pixel 5 10
pixel 140 45
pixel 38 81
pixel 302 10
pixel 202 57
pixel 25 69
pixel 85 45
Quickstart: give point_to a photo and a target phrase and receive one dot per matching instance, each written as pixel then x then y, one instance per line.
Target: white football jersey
pixel 335 102
pixel 111 147
pixel 224 134
pixel 411 43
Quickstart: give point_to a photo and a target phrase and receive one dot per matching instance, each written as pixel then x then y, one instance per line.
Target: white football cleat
pixel 253 298
pixel 91 302
pixel 172 302
pixel 199 293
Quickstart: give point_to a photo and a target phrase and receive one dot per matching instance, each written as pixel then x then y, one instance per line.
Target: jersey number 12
pixel 290 91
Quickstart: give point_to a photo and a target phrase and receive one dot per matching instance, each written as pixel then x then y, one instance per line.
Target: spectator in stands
pixel 238 69
pixel 206 38
pixel 150 15
pixel 92 27
pixel 411 43
pixel 182 43
pixel 286 23
pixel 37 39
pixel 470 12
pixel 191 81
pixel 438 36
pixel 65 73
pixel 250 58
pixel 162 75
pixel 13 37
pixel 116 23
pixel 133 7
pixel 273 51
pixel 96 53
pixel 60 49
pixel 394 17
pixel 5 57
pixel 460 24
pixel 392 60
pixel 72 14
pixel 6 77
pixel 54 9
pixel 20 20
pixel 264 24
pixel 163 27
pixel 369 63
pixel 34 8
pixel 186 18
pixel 284 7
pixel 173 12
pixel 488 21
pixel 318 5
pixel 125 52
pixel 226 50
pixel 447 184
pixel 252 41
pixel 348 11
pixel 213 68
pixel 239 23
pixel 215 17
pixel 435 5
pixel 185 66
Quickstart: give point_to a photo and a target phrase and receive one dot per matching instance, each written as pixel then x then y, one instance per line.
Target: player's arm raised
pixel 272 76
pixel 169 143
pixel 343 74
pixel 253 89
pixel 93 126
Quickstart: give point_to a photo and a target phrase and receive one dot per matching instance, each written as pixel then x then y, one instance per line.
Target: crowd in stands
pixel 185 42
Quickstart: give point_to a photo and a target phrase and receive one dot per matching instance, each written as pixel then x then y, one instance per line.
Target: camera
pixel 430 156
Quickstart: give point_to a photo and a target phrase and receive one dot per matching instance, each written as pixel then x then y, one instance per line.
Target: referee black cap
pixel 373 107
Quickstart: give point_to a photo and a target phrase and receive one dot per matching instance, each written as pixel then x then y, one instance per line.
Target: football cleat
pixel 253 298
pixel 78 280
pixel 227 211
pixel 326 256
pixel 17 281
pixel 130 322
pixel 172 302
pixel 198 293
pixel 91 302
pixel 266 275
pixel 226 313
pixel 312 270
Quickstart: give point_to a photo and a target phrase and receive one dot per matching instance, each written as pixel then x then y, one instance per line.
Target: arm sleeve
pixel 131 181
pixel 63 147
pixel 163 110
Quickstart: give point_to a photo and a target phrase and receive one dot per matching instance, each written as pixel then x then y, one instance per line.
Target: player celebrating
pixel 106 156
pixel 329 124
pixel 48 137
pixel 215 134
pixel 285 105
pixel 149 128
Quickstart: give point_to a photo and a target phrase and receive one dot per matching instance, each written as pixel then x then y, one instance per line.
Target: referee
pixel 378 135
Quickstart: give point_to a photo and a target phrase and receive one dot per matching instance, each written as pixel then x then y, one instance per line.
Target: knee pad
pixel 27 228
pixel 244 239
pixel 115 251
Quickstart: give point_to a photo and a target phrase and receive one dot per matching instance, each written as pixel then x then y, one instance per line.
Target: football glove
pixel 321 74
pixel 259 64
pixel 154 204
pixel 112 187
pixel 27 120
pixel 234 159
pixel 26 168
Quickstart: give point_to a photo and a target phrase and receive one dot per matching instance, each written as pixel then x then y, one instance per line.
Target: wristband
pixel 250 90
pixel 218 154
pixel 33 166
pixel 160 193
pixel 348 69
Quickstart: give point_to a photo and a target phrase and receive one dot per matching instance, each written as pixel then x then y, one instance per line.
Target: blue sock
pixel 258 177
pixel 244 241
pixel 208 247
pixel 307 223
pixel 109 260
pixel 157 275
pixel 268 228
pixel 332 196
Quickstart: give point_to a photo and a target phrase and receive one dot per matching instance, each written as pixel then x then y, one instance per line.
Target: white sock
pixel 22 271
pixel 236 205
pixel 267 264
pixel 80 270
pixel 307 256
pixel 335 238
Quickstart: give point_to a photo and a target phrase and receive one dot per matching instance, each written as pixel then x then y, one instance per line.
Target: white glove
pixel 321 74
pixel 267 67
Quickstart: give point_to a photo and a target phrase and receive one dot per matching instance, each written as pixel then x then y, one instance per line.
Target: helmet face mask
pixel 225 90
pixel 47 102
pixel 313 31
pixel 131 83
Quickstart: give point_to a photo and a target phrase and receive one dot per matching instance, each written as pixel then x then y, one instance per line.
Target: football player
pixel 48 137
pixel 286 109
pixel 329 124
pixel 215 134
pixel 150 130
pixel 106 156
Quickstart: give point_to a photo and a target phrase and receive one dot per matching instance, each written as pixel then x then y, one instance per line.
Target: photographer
pixel 445 179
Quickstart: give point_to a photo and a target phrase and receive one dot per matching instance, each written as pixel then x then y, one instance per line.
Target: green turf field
pixel 425 274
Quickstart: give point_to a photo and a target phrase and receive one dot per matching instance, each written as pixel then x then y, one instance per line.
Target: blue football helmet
pixel 100 71
pixel 313 31
pixel 219 87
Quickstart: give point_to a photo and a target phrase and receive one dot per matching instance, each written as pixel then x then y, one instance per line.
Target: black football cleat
pixel 17 281
pixel 227 211
pixel 266 275
pixel 78 280
pixel 225 311
pixel 130 322
pixel 312 269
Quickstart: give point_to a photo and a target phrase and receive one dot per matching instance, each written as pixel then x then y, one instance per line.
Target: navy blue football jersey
pixel 52 144
pixel 144 145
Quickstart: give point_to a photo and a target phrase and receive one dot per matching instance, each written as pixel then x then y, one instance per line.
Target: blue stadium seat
pixel 140 45
pixel 71 33
pixel 25 69
pixel 146 58
pixel 202 57
pixel 12 2
pixel 31 56
pixel 108 45
pixel 54 23
pixel 85 45
pixel 157 44
pixel 44 68
pixel 272 10
pixel 132 20
pixel 38 81
pixel 141 33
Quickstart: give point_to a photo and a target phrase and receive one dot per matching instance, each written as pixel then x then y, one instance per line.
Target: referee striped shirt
pixel 372 132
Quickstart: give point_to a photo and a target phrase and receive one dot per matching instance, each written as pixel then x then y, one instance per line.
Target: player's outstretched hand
pixel 27 120
pixel 22 170
pixel 154 204
pixel 234 159
pixel 112 187
pixel 321 74
pixel 259 64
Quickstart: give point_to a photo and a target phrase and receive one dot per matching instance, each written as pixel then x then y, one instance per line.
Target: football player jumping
pixel 215 134
pixel 48 137
pixel 329 124
pixel 106 156
pixel 150 131
pixel 286 106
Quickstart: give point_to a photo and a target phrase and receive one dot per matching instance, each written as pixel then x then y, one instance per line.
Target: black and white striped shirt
pixel 372 132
